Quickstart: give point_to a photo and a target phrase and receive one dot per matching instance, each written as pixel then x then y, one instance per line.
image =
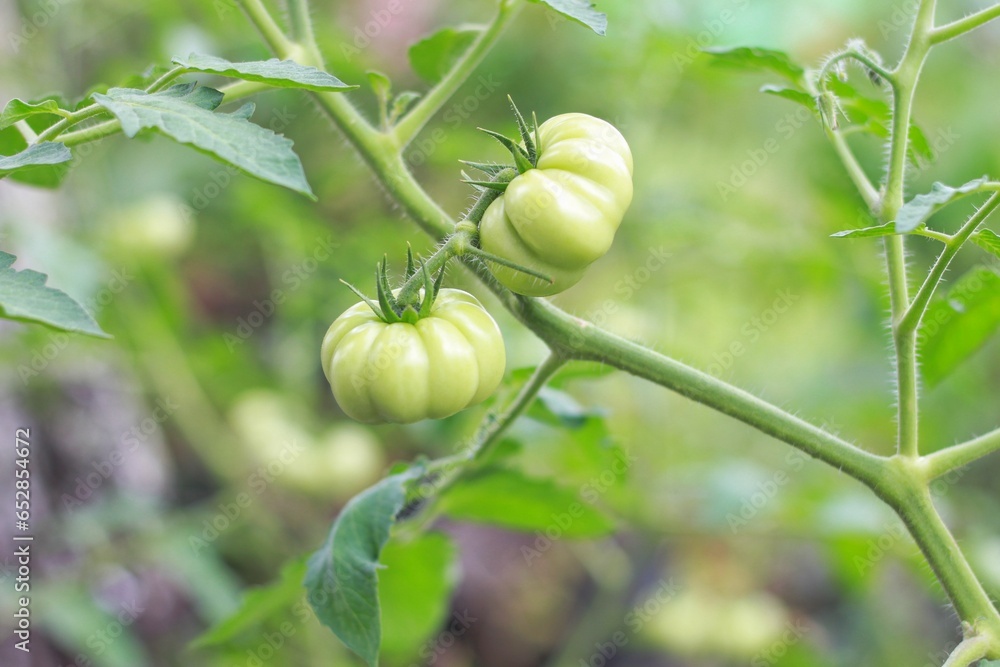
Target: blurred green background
pixel 197 453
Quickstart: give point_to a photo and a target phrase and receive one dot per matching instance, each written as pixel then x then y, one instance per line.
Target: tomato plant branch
pixel 969 651
pixel 300 21
pixel 489 436
pixel 410 125
pixel 911 319
pixel 906 75
pixel 951 458
pixel 964 25
pixel 267 26
pixel 853 167
pixel 909 495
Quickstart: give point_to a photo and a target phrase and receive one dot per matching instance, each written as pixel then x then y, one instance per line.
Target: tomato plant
pixel 219 456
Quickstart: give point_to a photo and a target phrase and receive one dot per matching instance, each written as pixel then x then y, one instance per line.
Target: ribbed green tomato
pixel 563 215
pixel 403 373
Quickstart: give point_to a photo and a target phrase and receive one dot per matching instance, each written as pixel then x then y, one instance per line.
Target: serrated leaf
pixel 794 94
pixel 988 240
pixel 258 606
pixel 957 325
pixel 756 58
pixel 581 11
pixel 274 72
pixel 415 589
pixel 919 209
pixel 25 297
pixel 19 109
pixel 180 113
pixel 887 229
pixel 433 56
pixel 342 577
pixel 45 153
pixel 510 499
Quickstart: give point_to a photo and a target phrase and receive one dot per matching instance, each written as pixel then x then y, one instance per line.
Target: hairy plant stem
pixel 964 25
pixel 906 76
pixel 944 461
pixel 971 650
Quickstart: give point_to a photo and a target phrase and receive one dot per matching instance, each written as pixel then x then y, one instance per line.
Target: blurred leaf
pixel 415 592
pixel 888 229
pixel 754 58
pixel 920 148
pixel 508 498
pixel 260 604
pixel 180 113
pixel 19 109
pixel 796 95
pixel 560 409
pixel 24 297
pixel 988 240
pixel 342 578
pixel 274 72
pixel 919 209
pixel 433 56
pixel 47 152
pixel 402 104
pixel 955 327
pixel 68 613
pixel 581 11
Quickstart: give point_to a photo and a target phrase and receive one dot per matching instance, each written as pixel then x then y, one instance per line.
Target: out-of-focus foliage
pixel 194 456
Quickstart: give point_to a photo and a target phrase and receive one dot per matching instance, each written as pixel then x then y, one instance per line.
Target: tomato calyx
pixel 525 154
pixel 402 305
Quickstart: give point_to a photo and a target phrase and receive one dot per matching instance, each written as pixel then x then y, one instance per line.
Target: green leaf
pixel 581 11
pixel 956 326
pixel 508 498
pixel 887 229
pixel 342 577
pixel 988 240
pixel 19 109
pixel 433 56
pixel 24 297
pixel 259 605
pixel 47 152
pixel 274 72
pixel 919 209
pixel 415 591
pixel 755 58
pixel 560 409
pixel 796 95
pixel 183 114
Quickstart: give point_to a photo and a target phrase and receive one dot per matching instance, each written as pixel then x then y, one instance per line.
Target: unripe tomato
pixel 402 372
pixel 561 216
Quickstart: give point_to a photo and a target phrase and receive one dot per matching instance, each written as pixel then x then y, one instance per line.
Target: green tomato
pixel 403 373
pixel 562 216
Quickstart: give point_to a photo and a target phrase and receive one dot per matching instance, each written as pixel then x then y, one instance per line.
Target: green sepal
pixel 521 160
pixel 410 268
pixel 390 308
pixel 488 169
pixel 488 185
pixel 429 292
pixel 522 127
pixel 371 304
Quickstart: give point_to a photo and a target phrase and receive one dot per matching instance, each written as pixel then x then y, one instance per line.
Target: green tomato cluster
pixel 405 372
pixel 561 216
